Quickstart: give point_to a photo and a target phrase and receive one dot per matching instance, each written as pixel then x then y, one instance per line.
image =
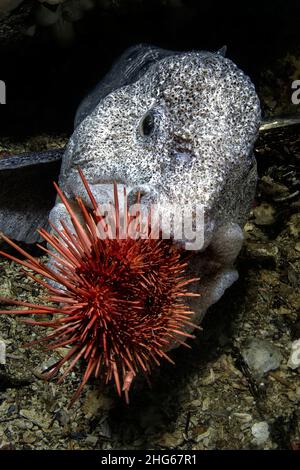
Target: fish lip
pixel 104 195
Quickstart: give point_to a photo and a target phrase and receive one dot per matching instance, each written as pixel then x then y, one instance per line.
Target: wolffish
pixel 176 127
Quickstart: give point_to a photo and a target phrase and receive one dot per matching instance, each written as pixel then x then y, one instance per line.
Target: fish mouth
pixel 159 218
pixel 217 244
pixel 212 263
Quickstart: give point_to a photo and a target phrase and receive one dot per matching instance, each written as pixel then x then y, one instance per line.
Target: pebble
pixel 205 404
pixel 171 440
pixel 262 252
pixel 95 401
pixel 294 225
pixel 33 418
pixel 26 414
pixel 11 410
pixel 272 188
pixel 261 356
pixel 260 432
pixel 293 275
pixel 44 366
pixel 28 437
pixel 2 352
pixel 243 417
pixel 210 379
pixel 201 433
pixel 22 425
pixel 62 417
pixel 90 439
pixel 264 214
pixel 245 420
pixel 294 359
pixel 104 430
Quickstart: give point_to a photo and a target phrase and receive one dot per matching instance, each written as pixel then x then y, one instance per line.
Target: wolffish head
pixel 181 133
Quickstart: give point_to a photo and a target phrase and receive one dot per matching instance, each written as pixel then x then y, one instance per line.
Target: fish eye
pixel 147 124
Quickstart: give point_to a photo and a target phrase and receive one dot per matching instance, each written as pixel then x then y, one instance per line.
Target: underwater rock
pixel 62 416
pixel 260 432
pixel 95 402
pixel 2 352
pixel 294 360
pixel 56 15
pixel 272 188
pixel 243 418
pixel 7 6
pixel 261 356
pixel 171 440
pixel 264 214
pixel 60 19
pixel 265 253
pixel 92 440
pixel 46 17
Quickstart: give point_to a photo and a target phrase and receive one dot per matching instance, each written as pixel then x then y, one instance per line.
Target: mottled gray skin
pixel 206 117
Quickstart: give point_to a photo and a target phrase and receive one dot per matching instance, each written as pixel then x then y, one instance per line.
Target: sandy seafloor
pixel 210 399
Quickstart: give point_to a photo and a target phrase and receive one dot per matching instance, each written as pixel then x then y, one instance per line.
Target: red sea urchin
pixel 120 301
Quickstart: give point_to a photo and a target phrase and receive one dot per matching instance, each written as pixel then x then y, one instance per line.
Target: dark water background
pixel 45 82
